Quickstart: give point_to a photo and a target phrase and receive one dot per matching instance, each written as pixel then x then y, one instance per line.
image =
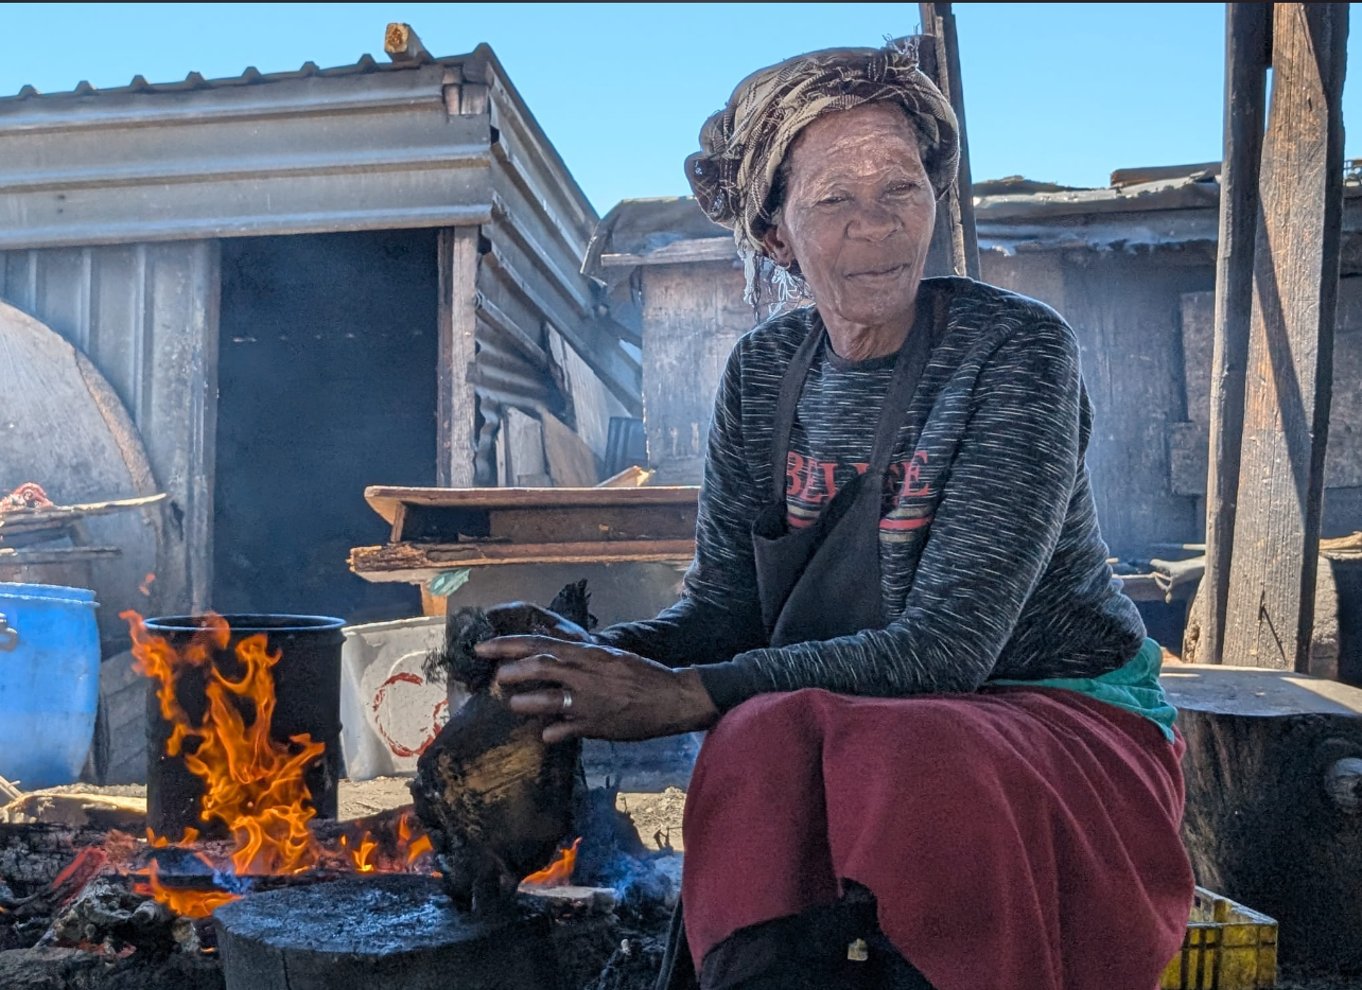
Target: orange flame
pixel 362 857
pixel 559 872
pixel 417 847
pixel 190 903
pixel 145 586
pixel 253 784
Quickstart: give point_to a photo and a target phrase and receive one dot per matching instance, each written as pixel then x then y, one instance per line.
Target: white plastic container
pixel 389 713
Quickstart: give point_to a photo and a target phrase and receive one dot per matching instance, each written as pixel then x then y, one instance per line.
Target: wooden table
pixel 436 529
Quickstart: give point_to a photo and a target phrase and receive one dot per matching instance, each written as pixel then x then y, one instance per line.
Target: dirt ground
pixel 656 814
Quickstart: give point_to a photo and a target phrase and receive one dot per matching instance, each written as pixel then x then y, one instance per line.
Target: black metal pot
pixel 307 689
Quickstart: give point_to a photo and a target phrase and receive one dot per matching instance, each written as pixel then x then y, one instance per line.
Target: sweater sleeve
pixel 996 526
pixel 719 613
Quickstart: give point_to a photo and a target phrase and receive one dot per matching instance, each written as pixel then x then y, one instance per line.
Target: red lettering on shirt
pixel 810 483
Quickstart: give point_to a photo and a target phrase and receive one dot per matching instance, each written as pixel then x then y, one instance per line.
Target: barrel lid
pixel 250 623
pixel 55 592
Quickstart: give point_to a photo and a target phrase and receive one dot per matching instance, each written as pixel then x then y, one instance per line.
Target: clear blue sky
pixel 1060 92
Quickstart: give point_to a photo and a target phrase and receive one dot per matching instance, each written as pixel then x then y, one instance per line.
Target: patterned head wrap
pixel 743 145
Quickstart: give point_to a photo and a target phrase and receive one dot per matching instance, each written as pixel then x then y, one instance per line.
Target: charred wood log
pixel 108 915
pixel 32 855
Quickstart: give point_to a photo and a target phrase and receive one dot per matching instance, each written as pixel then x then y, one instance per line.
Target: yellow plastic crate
pixel 1227 947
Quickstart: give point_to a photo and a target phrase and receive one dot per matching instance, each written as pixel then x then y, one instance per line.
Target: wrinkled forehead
pixel 870 139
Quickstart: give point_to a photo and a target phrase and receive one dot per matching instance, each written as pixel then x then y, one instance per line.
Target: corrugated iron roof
pixel 249 76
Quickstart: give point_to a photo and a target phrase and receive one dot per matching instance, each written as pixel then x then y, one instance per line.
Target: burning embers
pixel 254 787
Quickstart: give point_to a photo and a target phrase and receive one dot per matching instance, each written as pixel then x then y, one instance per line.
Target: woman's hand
pixel 597 691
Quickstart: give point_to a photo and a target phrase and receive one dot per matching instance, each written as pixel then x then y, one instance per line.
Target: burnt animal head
pixel 465 628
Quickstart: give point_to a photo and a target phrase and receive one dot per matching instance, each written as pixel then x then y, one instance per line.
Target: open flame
pixel 190 903
pixel 254 784
pixel 559 872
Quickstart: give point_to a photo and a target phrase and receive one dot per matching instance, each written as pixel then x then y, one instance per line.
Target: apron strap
pixel 790 387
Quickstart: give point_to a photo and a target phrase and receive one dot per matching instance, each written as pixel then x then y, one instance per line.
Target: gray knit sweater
pixel 992 564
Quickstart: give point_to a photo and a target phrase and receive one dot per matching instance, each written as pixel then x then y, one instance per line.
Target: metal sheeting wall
pixel 146 316
pixel 528 279
pixel 293 155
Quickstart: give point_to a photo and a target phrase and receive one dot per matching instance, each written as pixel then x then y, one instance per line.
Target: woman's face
pixel 858 215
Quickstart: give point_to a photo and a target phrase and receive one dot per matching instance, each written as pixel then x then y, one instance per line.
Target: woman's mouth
pixel 879 273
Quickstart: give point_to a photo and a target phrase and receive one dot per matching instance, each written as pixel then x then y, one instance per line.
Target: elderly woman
pixel 938 753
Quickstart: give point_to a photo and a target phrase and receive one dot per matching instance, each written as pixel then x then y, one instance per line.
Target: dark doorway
pixel 327 384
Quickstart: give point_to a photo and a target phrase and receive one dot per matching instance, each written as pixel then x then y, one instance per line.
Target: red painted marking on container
pixel 436 723
pixel 400 678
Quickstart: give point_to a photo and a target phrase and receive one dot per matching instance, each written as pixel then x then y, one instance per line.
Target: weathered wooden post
pixel 955 243
pixel 1270 605
pixel 1274 758
pixel 1248 44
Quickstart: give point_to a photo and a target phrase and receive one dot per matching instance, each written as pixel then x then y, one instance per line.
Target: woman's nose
pixel 872 222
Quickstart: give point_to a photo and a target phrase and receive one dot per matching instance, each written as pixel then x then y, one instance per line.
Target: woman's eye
pixel 902 188
pixel 832 200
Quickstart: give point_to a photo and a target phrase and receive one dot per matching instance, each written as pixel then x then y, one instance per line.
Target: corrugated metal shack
pixel 1132 268
pixel 302 283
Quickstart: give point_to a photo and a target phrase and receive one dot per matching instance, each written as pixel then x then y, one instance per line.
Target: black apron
pixel 823 581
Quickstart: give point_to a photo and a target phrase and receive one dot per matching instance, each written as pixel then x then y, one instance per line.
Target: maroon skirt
pixel 1019 838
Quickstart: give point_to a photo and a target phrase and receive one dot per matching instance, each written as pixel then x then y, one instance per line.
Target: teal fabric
pixel 1134 687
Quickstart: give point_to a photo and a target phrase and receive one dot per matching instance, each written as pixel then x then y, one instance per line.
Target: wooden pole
pixel 455 402
pixel 1248 43
pixel 955 241
pixel 1270 610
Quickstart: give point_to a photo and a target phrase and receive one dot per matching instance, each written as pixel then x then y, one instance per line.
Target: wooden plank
pixel 1270 604
pixel 30 556
pixel 1160 173
pixel 456 409
pixel 530 526
pixel 693 316
pixel 631 477
pixel 677 253
pixel 415 563
pixel 1248 43
pixel 59 517
pixel 1343 458
pixel 385 499
pixel 544 523
pixel 1188 441
pixel 524 439
pixel 592 404
pixel 571 462
pixel 948 44
pixel 1198 335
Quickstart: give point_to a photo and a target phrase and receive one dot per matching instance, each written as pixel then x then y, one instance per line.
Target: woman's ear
pixel 778 249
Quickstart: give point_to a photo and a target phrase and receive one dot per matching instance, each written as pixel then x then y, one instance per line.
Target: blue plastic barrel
pixel 49 682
